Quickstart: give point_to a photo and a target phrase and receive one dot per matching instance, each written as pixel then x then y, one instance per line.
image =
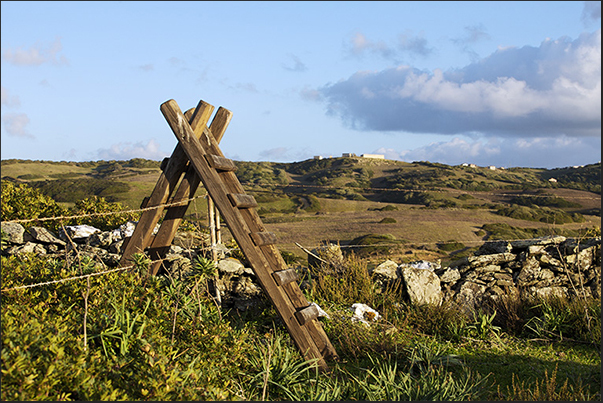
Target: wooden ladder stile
pixel 239 212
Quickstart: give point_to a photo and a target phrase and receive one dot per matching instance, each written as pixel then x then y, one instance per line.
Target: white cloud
pixel 8 100
pixel 277 153
pixel 126 150
pixel 296 64
pixel 15 125
pixel 538 152
pixel 36 55
pixel 408 43
pixel 554 89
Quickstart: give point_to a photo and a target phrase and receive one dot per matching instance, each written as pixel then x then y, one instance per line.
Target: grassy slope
pixel 335 216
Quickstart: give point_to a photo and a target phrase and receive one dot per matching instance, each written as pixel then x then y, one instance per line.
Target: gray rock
pixel 422 286
pixel 42 235
pixel 77 231
pixel 28 247
pixel 497 258
pixel 230 265
pixel 450 276
pixel 102 239
pixel 547 240
pixel 494 247
pixel 15 233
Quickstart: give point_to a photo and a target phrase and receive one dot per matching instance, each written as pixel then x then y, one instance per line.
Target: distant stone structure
pixel 378 156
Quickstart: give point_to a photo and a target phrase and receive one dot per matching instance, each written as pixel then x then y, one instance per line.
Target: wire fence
pixel 189 200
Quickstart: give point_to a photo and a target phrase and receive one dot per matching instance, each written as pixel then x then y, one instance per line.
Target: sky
pixel 510 84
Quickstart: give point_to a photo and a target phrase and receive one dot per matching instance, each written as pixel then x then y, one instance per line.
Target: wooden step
pixel 242 200
pixel 263 238
pixel 287 276
pixel 306 315
pixel 164 163
pixel 220 163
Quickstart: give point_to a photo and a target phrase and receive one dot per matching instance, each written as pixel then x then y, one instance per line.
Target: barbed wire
pixel 66 279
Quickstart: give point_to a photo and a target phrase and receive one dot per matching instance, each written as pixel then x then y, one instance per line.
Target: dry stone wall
pixel 543 266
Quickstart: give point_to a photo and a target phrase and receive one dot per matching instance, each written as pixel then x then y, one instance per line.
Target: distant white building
pixel 379 156
pixel 318 157
pixel 553 180
pixel 348 155
pixel 492 168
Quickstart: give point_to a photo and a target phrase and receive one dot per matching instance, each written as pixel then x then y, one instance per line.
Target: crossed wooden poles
pixel 198 157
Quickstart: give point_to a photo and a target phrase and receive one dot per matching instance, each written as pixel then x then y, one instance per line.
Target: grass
pixel 134 337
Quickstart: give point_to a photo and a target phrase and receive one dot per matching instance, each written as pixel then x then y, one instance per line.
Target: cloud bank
pixel 126 150
pixel 550 90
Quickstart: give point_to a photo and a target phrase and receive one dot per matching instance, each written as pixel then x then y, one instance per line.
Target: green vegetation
pixel 21 202
pixel 125 335
pixel 506 231
pixel 72 190
pixel 128 336
pixel 542 214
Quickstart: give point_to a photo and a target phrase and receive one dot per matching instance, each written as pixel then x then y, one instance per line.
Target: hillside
pixel 424 206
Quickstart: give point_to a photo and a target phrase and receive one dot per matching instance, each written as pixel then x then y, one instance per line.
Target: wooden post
pixel 211 216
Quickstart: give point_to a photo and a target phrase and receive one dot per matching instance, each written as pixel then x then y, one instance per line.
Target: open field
pixel 339 199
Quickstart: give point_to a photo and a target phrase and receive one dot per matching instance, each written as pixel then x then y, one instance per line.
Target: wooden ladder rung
pixel 220 163
pixel 164 163
pixel 242 200
pixel 263 238
pixel 287 276
pixel 307 314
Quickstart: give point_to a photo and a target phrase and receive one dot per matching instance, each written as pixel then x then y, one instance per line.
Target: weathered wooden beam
pixel 191 181
pixel 287 276
pixel 220 163
pixel 241 200
pixel 263 238
pixel 306 315
pixel 165 186
pixel 217 186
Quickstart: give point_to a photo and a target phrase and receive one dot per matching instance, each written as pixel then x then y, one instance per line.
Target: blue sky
pixel 511 84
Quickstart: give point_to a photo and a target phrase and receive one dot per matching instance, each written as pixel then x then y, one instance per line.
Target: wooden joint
pixel 287 276
pixel 263 238
pixel 164 163
pixel 307 314
pixel 242 200
pixel 220 163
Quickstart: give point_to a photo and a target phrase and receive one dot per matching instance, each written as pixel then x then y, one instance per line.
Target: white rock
pixel 78 231
pixel 364 313
pixel 321 312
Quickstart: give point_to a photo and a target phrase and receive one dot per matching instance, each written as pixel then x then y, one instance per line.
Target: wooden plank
pixel 283 277
pixel 306 315
pixel 236 224
pixel 144 202
pixel 263 238
pixel 173 216
pixel 241 200
pixel 165 186
pixel 220 163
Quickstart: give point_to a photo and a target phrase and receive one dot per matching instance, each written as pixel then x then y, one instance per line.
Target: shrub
pixel 23 202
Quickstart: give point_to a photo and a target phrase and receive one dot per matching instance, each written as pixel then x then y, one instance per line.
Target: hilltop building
pixel 378 156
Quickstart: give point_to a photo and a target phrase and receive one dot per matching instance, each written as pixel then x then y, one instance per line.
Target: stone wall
pixel 543 266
